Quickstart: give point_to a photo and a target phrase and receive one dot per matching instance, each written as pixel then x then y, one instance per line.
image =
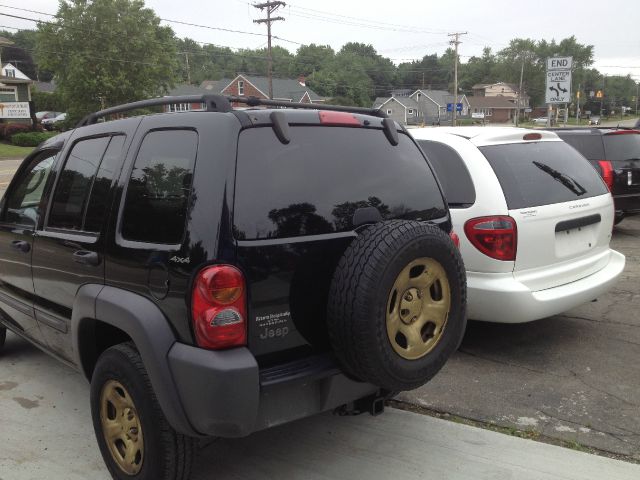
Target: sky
pixel 402 30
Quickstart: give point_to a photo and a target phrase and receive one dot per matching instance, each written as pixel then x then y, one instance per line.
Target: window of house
pixel 389 111
pixel 241 87
pixel 156 203
pixel 418 96
pixel 411 111
pixel 180 107
pixel 8 72
pixel 8 94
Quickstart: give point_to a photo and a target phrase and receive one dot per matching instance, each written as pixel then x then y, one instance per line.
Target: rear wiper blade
pixel 563 178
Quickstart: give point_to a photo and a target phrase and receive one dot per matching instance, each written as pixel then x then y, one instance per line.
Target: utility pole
pixel 270 6
pixel 519 93
pixel 186 59
pixel 637 85
pixel 578 105
pixel 455 43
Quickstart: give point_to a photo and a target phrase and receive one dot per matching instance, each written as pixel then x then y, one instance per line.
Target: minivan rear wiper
pixel 563 178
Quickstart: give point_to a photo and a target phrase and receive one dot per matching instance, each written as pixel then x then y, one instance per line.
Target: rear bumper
pixel 627 204
pixel 499 297
pixel 224 394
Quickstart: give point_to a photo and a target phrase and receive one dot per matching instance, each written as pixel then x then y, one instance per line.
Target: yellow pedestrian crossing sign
pixel 599 94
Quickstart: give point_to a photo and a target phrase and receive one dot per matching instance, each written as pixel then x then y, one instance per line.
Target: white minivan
pixel 534 219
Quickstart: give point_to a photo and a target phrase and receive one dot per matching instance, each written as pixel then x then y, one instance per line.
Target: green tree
pixel 106 52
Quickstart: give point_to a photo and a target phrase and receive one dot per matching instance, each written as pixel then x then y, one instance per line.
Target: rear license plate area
pixel 575 240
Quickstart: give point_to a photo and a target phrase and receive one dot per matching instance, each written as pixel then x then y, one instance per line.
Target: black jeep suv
pixel 615 153
pixel 219 272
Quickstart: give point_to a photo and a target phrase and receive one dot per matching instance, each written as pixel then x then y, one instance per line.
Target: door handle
pixel 86 257
pixel 21 245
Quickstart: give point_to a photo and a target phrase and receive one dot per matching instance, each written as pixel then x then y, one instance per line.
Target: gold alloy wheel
pixel 121 427
pixel 418 308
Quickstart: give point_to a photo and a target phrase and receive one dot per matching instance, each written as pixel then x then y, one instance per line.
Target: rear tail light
pixel 329 117
pixel 496 237
pixel 607 173
pixel 455 238
pixel 219 307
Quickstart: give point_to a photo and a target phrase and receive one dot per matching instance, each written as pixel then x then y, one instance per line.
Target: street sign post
pixel 450 107
pixel 558 83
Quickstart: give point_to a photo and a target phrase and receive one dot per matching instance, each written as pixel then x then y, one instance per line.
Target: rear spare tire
pixel 397 304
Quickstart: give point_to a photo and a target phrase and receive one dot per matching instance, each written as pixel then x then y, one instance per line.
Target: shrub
pixel 30 139
pixel 7 130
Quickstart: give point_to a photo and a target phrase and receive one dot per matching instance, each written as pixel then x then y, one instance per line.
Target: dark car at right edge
pixel 615 153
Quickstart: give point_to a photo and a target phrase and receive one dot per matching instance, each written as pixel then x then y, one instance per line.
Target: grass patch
pixel 12 151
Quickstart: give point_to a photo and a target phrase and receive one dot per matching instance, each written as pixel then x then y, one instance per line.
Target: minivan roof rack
pixel 222 103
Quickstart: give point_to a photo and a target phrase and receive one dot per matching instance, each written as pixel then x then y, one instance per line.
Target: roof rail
pixel 255 102
pixel 213 103
pixel 222 103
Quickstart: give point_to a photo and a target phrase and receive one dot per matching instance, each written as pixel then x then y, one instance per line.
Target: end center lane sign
pixel 558 83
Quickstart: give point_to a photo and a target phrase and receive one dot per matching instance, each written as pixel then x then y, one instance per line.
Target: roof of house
pixel 46 87
pixel 5 41
pixel 490 102
pixel 406 102
pixel 282 87
pixel 512 86
pixel 186 89
pixel 438 96
pixel 215 85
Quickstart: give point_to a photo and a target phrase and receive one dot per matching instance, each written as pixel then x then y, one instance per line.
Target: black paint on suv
pixel 615 153
pixel 219 272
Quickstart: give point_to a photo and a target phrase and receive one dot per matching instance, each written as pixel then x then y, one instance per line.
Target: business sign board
pixel 479 115
pixel 558 83
pixel 14 110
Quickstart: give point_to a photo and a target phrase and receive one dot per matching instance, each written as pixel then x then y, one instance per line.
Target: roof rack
pixel 221 103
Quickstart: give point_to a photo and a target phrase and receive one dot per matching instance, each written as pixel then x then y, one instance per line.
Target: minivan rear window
pixel 542 173
pixel 317 183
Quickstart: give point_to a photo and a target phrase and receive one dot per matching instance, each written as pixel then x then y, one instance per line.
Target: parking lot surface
pixel 574 377
pixel 47 433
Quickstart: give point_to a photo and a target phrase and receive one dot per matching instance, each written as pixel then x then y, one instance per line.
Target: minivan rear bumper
pixel 225 394
pixel 499 297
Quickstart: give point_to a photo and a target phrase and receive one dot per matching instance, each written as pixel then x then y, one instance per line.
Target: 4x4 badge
pixel 180 259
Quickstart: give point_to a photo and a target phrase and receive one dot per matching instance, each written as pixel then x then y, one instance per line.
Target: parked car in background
pixel 615 153
pixel 594 120
pixel 53 122
pixel 534 218
pixel 46 114
pixel 540 121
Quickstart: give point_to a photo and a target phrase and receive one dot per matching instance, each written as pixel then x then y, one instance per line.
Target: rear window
pixel 542 173
pixel 316 183
pixel 452 173
pixel 623 146
pixel 589 145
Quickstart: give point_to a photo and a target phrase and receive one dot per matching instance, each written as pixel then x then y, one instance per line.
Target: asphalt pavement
pixel 46 433
pixel 573 377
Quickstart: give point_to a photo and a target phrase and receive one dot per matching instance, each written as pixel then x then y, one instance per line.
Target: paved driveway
pixel 574 377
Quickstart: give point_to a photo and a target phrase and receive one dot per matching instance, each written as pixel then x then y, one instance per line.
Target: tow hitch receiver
pixel 373 404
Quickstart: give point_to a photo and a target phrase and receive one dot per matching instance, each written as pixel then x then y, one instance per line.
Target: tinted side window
pixel 23 202
pixel 588 145
pixel 155 208
pixel 326 179
pixel 74 185
pixel 97 207
pixel 542 173
pixel 452 173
